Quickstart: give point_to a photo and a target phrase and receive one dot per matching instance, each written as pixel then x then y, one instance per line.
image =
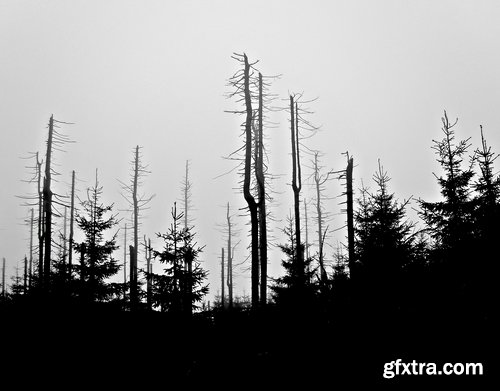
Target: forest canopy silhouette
pixel 394 287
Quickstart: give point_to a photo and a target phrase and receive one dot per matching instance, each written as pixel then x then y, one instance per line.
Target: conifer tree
pixel 170 289
pixel 97 264
pixel 384 239
pixel 450 221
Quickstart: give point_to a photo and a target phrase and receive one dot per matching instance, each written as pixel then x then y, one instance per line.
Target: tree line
pixel 387 263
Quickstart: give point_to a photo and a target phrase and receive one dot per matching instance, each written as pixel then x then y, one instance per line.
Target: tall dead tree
pixel 41 225
pixel 25 275
pixel 296 185
pixel 251 90
pixel 71 227
pixel 350 215
pixel 222 281
pixel 136 203
pixel 54 142
pixel 148 256
pixel 259 174
pixel 30 272
pixel 47 205
pixel 186 206
pixel 242 82
pixel 321 217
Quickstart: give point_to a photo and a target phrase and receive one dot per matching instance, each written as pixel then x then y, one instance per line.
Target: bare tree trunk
pixel 83 250
pixel 71 228
pixel 318 183
pixel 30 275
pixel 133 286
pixel 41 225
pixel 306 221
pixel 350 217
pixel 125 263
pixel 252 205
pixel 47 206
pixel 133 270
pixel 147 255
pixel 296 187
pixel 25 286
pixel 64 250
pixel 259 173
pixel 229 259
pixel 222 294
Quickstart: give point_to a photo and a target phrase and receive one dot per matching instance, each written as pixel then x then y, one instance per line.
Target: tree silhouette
pixel 97 264
pixel 450 222
pixel 137 203
pixel 384 241
pixel 296 289
pixel 177 291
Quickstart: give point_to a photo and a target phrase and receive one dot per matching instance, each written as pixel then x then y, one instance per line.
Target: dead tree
pixel 30 275
pixel 149 271
pixel 71 227
pixel 222 282
pixel 242 82
pixel 25 276
pixel 186 206
pixel 259 174
pixel 296 185
pixel 249 86
pixel 186 202
pixel 348 175
pixel 133 283
pixel 125 263
pixel 41 225
pixel 136 204
pixel 47 205
pixel 321 217
pixel 229 258
pixel 299 124
pixel 54 142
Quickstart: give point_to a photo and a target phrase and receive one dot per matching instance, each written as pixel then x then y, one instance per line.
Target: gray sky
pixel 154 73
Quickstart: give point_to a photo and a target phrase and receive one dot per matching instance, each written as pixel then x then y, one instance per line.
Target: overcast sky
pixel 154 74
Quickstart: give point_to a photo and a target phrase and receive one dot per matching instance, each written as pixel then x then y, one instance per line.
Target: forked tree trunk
pixel 296 187
pixel 252 205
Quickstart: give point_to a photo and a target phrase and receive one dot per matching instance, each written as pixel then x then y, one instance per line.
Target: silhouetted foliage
pixel 297 288
pixel 170 290
pixel 450 222
pixel 97 264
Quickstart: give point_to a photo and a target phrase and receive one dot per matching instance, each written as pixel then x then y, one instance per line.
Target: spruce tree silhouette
pixel 178 290
pixel 450 221
pixel 384 244
pixel 97 264
pixel 487 230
